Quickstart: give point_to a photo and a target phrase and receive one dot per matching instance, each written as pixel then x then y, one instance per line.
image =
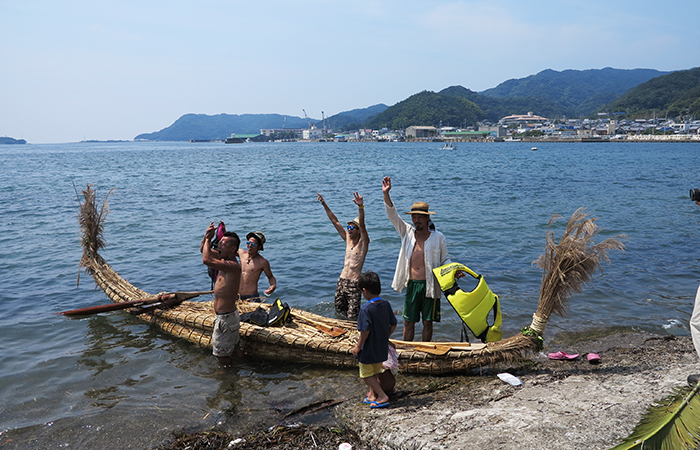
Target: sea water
pixel 111 381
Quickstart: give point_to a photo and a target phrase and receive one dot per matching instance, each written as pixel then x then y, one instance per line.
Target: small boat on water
pixel 511 139
pixel 448 146
pixel 311 338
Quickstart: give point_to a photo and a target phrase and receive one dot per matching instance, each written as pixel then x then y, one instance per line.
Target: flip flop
pixel 367 401
pixel 562 356
pixel 375 405
pixel 593 358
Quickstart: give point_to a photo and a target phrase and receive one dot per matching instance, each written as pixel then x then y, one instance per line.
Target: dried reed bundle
pixel 569 265
pixel 92 225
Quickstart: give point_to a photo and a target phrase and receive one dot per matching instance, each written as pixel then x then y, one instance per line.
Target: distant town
pixel 526 127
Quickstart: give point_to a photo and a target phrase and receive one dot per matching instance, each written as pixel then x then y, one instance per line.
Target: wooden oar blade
pixel 108 307
pixel 180 296
pixel 327 329
pixel 438 348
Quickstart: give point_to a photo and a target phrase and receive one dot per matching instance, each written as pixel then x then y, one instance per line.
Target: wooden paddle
pixel 168 301
pixel 181 296
pixel 438 348
pixel 328 329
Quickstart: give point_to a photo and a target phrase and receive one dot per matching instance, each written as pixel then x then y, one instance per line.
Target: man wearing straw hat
pixel 348 293
pixel 253 265
pixel 422 250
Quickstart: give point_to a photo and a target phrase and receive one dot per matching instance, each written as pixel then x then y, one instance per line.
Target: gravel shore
pixel 563 405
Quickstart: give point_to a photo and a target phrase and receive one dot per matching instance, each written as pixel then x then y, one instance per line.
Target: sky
pixel 110 70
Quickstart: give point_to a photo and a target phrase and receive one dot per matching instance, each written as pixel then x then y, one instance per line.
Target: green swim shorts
pixel 417 304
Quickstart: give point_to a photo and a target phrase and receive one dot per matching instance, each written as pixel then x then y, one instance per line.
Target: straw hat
pixel 259 236
pixel 356 222
pixel 420 208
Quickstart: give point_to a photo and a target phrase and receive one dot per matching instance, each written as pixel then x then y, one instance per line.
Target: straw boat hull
pixel 567 267
pixel 302 340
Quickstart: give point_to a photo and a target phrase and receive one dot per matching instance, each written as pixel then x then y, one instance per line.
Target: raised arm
pixel 212 258
pixel 207 237
pixel 360 202
pixel 386 187
pixel 400 225
pixel 332 217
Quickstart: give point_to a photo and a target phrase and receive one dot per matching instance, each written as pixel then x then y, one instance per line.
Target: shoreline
pixel 566 404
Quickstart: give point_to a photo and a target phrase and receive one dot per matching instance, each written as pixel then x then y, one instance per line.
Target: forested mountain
pixel 575 92
pixel 553 94
pixel 496 108
pixel 674 95
pixel 9 140
pixel 353 118
pixel 428 108
pixel 220 126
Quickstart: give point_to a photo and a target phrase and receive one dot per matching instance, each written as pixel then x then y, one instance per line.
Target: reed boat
pixel 315 339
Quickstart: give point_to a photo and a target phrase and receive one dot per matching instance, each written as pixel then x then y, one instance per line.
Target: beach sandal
pixel 367 401
pixel 375 405
pixel 562 356
pixel 593 358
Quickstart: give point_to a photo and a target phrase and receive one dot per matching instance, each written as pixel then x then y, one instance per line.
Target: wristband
pixel 361 207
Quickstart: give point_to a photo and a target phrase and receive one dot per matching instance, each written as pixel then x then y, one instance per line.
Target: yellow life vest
pixel 473 307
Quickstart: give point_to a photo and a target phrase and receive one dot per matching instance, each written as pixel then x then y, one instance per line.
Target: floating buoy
pixel 533 149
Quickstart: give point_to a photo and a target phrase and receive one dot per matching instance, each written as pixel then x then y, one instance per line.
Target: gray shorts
pixel 226 335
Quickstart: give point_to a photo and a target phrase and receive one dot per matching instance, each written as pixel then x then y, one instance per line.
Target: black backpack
pixel 278 315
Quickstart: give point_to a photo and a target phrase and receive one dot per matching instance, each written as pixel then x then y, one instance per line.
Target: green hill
pixel 495 108
pixel 353 119
pixel 220 126
pixel 574 92
pixel 674 95
pixel 428 108
pixel 9 140
pixel 553 94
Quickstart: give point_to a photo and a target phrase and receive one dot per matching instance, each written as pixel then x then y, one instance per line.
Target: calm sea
pixel 110 381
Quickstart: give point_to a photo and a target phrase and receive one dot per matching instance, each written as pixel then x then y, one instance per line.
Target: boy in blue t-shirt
pixel 376 322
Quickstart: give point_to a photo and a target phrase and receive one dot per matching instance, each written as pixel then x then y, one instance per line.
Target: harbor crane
pixel 311 126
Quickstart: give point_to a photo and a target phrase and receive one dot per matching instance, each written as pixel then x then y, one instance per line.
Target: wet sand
pixel 561 404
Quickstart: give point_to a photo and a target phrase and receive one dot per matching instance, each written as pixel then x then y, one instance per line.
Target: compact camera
pixel 695 195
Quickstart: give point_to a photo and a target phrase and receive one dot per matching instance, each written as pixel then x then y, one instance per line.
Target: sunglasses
pixel 251 243
pixel 351 227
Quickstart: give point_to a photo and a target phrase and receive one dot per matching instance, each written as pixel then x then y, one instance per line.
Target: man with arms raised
pixel 252 266
pixel 422 250
pixel 347 293
pixel 226 335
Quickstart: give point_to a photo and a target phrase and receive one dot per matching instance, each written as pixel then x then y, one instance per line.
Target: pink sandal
pixel 562 356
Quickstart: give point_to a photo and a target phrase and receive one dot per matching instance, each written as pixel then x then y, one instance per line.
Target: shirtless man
pixel 347 293
pixel 252 266
pixel 422 250
pixel 226 336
